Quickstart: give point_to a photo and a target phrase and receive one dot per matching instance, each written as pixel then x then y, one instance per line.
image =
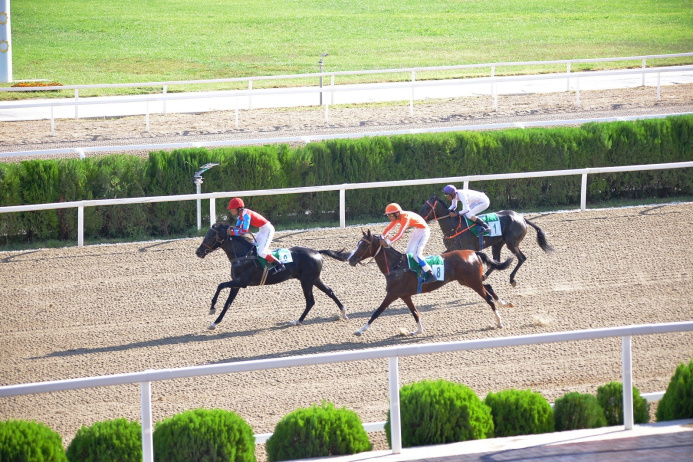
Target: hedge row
pixel 346 161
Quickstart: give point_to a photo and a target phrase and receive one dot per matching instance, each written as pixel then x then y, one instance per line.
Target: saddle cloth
pixel 282 255
pixel 434 261
pixel 491 220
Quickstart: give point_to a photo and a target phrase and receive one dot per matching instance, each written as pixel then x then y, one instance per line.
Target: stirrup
pixel 278 268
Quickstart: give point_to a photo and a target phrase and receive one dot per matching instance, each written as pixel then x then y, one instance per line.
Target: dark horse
pixel 458 236
pixel 463 266
pixel 246 270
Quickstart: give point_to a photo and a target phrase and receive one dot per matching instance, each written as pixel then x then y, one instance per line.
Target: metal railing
pixel 393 354
pixel 342 188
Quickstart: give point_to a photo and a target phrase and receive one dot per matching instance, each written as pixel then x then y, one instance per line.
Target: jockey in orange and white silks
pixel 247 218
pixel 419 237
pixel 473 202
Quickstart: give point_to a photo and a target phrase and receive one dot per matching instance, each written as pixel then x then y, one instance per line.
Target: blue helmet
pixel 450 189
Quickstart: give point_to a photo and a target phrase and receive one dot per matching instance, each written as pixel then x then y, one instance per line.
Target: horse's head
pixel 433 208
pixel 367 246
pixel 214 238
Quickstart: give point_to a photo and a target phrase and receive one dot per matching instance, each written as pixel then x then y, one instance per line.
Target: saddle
pixel 491 220
pixel 435 262
pixel 282 255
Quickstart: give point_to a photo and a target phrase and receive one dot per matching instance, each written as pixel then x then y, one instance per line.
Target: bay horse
pixel 459 237
pixel 247 271
pixel 463 266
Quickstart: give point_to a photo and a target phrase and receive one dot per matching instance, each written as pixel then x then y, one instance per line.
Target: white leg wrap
pixel 362 330
pixel 212 326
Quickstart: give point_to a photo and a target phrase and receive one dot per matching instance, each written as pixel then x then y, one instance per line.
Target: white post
pixel 411 101
pixel 567 88
pixel 395 423
pixel 643 74
pixel 627 382
pixel 147 431
pixel 164 101
pixel 5 42
pixel 76 106
pixel 342 208
pixel 583 193
pixel 198 186
pixel 80 226
pixel 212 212
pixel 465 184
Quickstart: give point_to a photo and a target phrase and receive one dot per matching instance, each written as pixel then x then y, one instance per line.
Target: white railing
pixel 393 354
pixel 342 188
pixel 407 87
pixel 81 152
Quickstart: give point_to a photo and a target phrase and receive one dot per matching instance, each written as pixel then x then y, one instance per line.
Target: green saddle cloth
pixel 434 261
pixel 491 220
pixel 282 255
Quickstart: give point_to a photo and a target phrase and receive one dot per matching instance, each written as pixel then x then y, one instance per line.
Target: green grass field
pixel 100 41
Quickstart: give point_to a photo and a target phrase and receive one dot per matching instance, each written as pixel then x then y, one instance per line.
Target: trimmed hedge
pixel 117 440
pixel 677 402
pixel 317 431
pixel 440 412
pixel 204 434
pixel 610 398
pixel 346 161
pixel 575 411
pixel 520 412
pixel 23 441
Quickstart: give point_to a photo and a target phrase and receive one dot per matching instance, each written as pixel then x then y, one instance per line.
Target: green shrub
pixel 677 402
pixel 22 441
pixel 520 412
pixel 575 411
pixel 439 412
pixel 116 440
pixel 204 434
pixel 317 431
pixel 610 398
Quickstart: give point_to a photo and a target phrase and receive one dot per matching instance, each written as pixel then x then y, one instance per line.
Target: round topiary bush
pixel 439 412
pixel 116 440
pixel 677 402
pixel 575 411
pixel 204 434
pixel 610 398
pixel 22 441
pixel 317 431
pixel 520 412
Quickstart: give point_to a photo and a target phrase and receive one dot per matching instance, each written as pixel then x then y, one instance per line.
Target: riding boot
pixel 428 272
pixel 482 224
pixel 278 266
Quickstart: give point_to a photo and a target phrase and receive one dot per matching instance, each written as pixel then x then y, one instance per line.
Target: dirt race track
pixel 97 310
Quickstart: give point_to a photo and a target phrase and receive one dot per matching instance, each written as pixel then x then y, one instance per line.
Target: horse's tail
pixel 541 237
pixel 496 265
pixel 341 255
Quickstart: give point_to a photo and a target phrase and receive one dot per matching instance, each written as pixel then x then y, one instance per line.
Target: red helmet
pixel 392 208
pixel 235 203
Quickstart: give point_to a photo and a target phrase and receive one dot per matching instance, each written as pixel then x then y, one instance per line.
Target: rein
pixel 459 225
pixel 433 209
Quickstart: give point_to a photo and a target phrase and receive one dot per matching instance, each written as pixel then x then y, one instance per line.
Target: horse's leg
pixel 389 298
pixel 310 301
pixel 520 260
pixel 330 293
pixel 414 313
pixel 480 288
pixel 232 295
pixel 500 301
pixel 496 252
pixel 220 287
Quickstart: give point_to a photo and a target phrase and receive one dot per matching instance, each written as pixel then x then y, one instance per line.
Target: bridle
pixel 458 230
pixel 433 209
pixel 380 247
pixel 218 241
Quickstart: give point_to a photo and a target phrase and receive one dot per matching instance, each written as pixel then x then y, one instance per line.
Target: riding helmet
pixel 235 203
pixel 392 208
pixel 450 189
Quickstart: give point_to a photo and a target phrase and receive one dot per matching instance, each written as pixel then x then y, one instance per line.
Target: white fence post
pixel 395 422
pixel 583 192
pixel 342 208
pixel 627 359
pixel 212 212
pixel 147 431
pixel 80 226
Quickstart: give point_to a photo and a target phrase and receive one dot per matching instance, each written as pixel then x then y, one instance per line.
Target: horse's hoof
pixel 343 316
pixel 513 283
pixel 484 277
pixel 212 312
pixel 295 323
pixel 358 333
pixel 212 327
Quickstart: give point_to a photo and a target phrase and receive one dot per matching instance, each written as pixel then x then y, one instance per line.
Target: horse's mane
pixel 244 241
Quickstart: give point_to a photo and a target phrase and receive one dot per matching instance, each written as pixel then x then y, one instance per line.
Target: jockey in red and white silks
pixel 247 218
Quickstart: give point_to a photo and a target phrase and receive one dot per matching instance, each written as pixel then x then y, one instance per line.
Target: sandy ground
pixel 97 310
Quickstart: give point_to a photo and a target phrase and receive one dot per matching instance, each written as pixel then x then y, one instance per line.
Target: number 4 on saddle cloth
pixel 436 264
pixel 282 255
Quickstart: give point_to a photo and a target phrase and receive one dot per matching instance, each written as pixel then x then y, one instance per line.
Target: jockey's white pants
pixel 263 239
pixel 478 205
pixel 417 242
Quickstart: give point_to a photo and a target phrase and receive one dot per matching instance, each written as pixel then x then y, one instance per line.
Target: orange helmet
pixel 235 203
pixel 392 208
